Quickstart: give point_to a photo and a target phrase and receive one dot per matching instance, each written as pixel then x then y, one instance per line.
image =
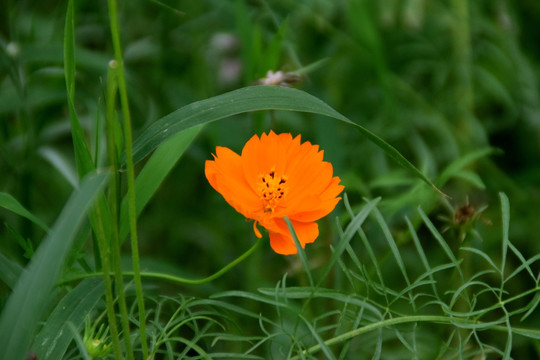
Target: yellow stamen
pixel 272 189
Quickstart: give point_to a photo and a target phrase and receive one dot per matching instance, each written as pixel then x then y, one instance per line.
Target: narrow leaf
pixel 248 99
pixel 26 305
pixel 8 202
pixel 10 271
pixel 154 172
pixel 301 252
pixel 82 153
pixel 53 340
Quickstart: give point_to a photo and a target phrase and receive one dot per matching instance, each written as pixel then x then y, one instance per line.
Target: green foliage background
pixel 452 85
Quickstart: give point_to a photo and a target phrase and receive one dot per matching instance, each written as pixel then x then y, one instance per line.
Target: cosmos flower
pixel 275 177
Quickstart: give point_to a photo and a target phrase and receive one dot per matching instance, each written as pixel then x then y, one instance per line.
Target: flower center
pixel 272 189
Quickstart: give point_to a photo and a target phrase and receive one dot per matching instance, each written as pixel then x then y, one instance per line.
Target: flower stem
pixel 130 174
pixel 387 323
pixel 178 279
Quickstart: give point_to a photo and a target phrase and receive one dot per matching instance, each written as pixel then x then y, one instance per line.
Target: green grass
pixel 405 98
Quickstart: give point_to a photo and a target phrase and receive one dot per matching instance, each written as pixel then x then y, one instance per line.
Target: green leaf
pixel 27 303
pixel 248 99
pixel 10 203
pixel 455 167
pixel 392 244
pixel 440 239
pixel 155 171
pixel 9 271
pixel 53 340
pixel 301 252
pixel 347 236
pixel 83 157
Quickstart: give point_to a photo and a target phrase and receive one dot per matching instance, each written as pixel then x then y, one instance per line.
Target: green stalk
pixel 85 165
pixel 446 320
pixel 130 174
pixel 177 279
pixel 104 251
pixel 114 200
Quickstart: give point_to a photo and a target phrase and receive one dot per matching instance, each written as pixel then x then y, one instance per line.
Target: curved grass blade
pixel 437 235
pixel 328 354
pixel 393 247
pixel 8 202
pixel 60 163
pixel 83 158
pixel 154 172
pixel 10 271
pixel 422 255
pixel 301 252
pixel 27 303
pixel 52 341
pixel 248 99
pixel 344 240
pixel 459 164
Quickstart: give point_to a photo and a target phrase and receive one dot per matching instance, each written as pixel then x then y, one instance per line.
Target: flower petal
pixel 260 155
pixel 282 241
pixel 276 176
pixel 225 175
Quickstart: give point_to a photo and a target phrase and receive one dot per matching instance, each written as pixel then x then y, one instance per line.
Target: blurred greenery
pixel 453 85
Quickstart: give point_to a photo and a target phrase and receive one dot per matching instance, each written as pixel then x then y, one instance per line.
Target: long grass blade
pixel 437 235
pixel 53 340
pixel 350 231
pixel 8 202
pixel 154 173
pixel 301 252
pixel 83 158
pixel 10 271
pixel 422 255
pixel 393 246
pixel 26 304
pixel 248 99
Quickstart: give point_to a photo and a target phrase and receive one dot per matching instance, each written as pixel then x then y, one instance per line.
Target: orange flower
pixel 277 176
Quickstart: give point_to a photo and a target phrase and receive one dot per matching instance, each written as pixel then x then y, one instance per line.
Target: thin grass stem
pixel 178 279
pixel 113 17
pixel 114 200
pixel 85 166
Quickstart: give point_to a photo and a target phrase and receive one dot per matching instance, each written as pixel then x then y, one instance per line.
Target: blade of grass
pixel 128 142
pixel 10 271
pixel 367 246
pixel 328 354
pixel 437 235
pixel 78 341
pixel 83 158
pixel 460 163
pixel 422 255
pixel 111 127
pixel 154 172
pixel 248 99
pixel 300 249
pixel 100 214
pixel 8 202
pixel 506 243
pixel 394 248
pixel 52 341
pixel 505 214
pixel 350 231
pixel 60 163
pixel 26 304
